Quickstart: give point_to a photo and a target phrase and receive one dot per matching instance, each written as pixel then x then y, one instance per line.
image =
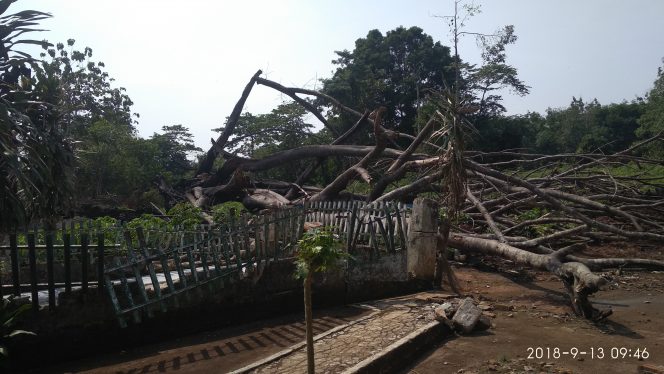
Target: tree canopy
pixel 396 70
pixel 652 120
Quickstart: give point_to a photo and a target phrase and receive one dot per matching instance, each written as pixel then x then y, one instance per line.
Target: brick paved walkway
pixel 342 349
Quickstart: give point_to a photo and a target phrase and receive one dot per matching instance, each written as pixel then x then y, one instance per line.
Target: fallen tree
pixel 533 209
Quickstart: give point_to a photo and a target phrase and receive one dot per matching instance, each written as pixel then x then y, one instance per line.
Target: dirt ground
pixel 531 311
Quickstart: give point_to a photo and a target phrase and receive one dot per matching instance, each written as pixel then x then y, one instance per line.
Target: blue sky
pixel 186 62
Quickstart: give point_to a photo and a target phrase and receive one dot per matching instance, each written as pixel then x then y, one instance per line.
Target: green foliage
pixel 35 157
pixel 222 212
pixel 261 135
pixel 87 108
pixel 535 230
pixel 80 90
pixel 113 160
pixel 109 226
pixel 9 315
pixel 652 120
pixel 653 173
pixel 481 85
pixel 589 127
pixel 318 251
pixel 146 221
pixel 184 215
pixel 180 215
pixel 394 70
pixel 498 133
pixel 108 161
pixel 283 128
pixel 532 214
pixel 173 147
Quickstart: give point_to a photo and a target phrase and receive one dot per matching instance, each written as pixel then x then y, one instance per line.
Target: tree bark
pixel 308 317
pixel 304 152
pixel 304 176
pixel 579 281
pixel 300 101
pixel 206 163
pixel 340 183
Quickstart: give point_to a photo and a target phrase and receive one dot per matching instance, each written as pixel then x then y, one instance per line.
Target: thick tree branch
pixel 206 163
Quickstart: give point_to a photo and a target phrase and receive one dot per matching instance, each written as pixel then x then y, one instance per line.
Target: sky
pixel 186 62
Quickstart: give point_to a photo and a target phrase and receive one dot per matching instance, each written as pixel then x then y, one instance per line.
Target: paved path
pixel 346 336
pixel 343 349
pixel 217 351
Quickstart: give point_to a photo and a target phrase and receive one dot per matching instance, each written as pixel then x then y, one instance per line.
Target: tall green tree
pixel 174 147
pixel 483 84
pixel 94 117
pixel 79 90
pixel 652 120
pixel 395 70
pixel 113 161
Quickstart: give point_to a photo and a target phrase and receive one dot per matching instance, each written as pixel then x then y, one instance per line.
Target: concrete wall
pixel 423 239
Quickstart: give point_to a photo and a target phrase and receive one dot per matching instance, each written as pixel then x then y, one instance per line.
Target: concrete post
pixel 422 239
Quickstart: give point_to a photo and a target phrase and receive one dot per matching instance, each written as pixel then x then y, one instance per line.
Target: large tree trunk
pixel 579 281
pixel 217 147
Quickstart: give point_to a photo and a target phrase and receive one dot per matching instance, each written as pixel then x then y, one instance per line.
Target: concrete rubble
pixel 463 315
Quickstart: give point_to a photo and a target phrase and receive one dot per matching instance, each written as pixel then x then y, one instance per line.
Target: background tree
pixel 483 84
pixel 652 120
pixel 112 161
pixel 589 127
pixel 395 70
pixel 174 146
pixel 79 90
pixel 261 135
pixel 500 132
pixel 89 118
pixel 283 128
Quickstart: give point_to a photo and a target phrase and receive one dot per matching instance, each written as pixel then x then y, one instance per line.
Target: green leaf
pixel 20 332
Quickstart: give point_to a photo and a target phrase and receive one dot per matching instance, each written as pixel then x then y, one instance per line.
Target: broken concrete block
pixel 439 314
pixel 449 309
pixel 466 315
pixel 484 323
